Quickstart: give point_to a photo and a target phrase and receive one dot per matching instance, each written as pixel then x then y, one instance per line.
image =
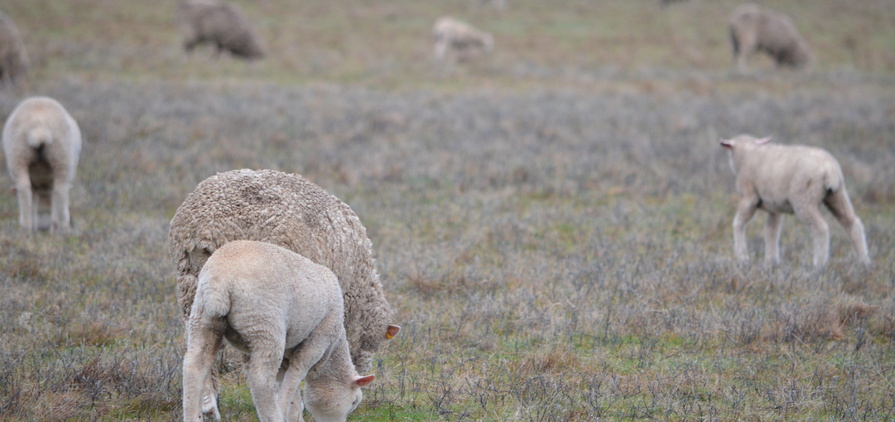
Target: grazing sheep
pixel 220 24
pixel 460 39
pixel 791 179
pixel 288 211
pixel 754 28
pixel 13 57
pixel 286 313
pixel 42 143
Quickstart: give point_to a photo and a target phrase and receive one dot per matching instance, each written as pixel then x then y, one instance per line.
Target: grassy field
pixel 552 224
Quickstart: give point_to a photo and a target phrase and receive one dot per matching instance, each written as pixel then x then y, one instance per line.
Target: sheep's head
pixel 334 399
pixel 744 141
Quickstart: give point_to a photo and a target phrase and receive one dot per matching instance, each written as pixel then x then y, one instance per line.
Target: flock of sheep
pixel 249 237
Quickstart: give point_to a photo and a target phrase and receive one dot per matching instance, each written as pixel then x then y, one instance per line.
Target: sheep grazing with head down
pixel 42 143
pixel 13 57
pixel 754 28
pixel 221 24
pixel 790 179
pixel 286 313
pixel 457 39
pixel 288 211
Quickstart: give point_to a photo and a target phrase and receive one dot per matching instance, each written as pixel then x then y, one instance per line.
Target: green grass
pixel 552 224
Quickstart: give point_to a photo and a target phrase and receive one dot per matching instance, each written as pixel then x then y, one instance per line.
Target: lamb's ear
pixel 360 381
pixel 763 141
pixel 727 143
pixel 392 331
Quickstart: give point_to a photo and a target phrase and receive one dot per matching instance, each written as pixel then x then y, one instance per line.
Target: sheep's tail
pixel 212 299
pixel 833 179
pixel 39 137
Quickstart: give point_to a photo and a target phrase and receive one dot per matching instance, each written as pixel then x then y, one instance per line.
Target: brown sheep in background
pixel 13 57
pixel 221 24
pixel 754 28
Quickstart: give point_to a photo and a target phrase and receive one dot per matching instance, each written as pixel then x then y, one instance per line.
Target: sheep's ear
pixel 727 143
pixel 763 141
pixel 360 381
pixel 392 331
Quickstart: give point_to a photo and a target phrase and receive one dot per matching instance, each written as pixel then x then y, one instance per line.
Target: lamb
pixel 459 38
pixel 790 179
pixel 13 56
pixel 279 308
pixel 42 143
pixel 288 211
pixel 222 25
pixel 754 28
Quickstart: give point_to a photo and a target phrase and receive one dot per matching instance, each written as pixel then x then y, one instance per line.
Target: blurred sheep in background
pixel 13 57
pixel 221 24
pixel 457 39
pixel 754 28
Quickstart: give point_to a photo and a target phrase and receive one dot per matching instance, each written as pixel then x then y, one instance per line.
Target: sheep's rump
pixel 289 211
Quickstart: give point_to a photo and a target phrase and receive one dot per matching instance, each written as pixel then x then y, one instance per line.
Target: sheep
pixel 790 179
pixel 286 313
pixel 220 24
pixel 288 211
pixel 42 143
pixel 754 28
pixel 14 60
pixel 459 38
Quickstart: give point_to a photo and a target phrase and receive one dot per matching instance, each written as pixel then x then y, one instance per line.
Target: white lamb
pixel 286 313
pixel 460 39
pixel 791 179
pixel 42 143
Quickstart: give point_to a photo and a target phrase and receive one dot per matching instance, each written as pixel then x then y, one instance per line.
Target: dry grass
pixel 552 224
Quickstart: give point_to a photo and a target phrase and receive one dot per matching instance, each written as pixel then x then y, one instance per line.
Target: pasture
pixel 552 223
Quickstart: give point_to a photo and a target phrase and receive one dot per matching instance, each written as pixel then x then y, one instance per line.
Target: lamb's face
pixel 741 146
pixel 333 401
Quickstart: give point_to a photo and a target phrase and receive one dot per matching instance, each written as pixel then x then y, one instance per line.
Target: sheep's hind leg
pixel 840 205
pixel 197 364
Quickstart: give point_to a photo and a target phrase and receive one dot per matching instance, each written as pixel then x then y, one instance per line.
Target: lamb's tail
pixel 212 301
pixel 38 137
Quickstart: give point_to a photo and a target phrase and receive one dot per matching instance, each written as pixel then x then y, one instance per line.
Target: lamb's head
pixel 333 399
pixel 740 146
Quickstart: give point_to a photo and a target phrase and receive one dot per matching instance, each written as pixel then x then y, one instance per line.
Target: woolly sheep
pixel 220 24
pixel 286 313
pixel 790 179
pixel 13 56
pixel 42 143
pixel 460 39
pixel 754 28
pixel 288 211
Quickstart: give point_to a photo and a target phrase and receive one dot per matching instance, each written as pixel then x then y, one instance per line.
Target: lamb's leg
pixel 820 233
pixel 25 197
pixel 772 239
pixel 264 363
pixel 198 360
pixel 840 205
pixel 745 211
pixel 301 359
pixel 186 294
pixel 61 219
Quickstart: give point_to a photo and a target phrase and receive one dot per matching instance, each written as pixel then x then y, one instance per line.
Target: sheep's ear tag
pixel 363 381
pixel 763 141
pixel 726 143
pixel 392 331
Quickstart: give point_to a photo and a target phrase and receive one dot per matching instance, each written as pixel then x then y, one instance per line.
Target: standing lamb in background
pixel 460 39
pixel 220 24
pixel 13 57
pixel 754 28
pixel 272 304
pixel 42 143
pixel 288 211
pixel 791 179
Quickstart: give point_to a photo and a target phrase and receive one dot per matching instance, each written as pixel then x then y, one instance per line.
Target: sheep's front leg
pixel 745 211
pixel 772 238
pixel 820 233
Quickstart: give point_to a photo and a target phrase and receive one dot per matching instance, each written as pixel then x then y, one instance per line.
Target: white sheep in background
pixel 42 143
pixel 14 60
pixel 459 39
pixel 790 179
pixel 754 28
pixel 286 313
pixel 222 25
pixel 288 211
